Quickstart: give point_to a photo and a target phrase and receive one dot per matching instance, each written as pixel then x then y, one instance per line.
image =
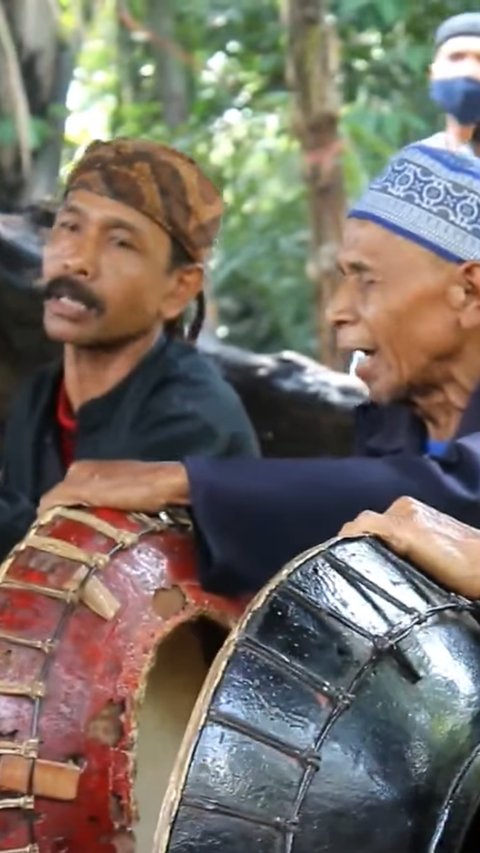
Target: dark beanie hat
pixel 466 24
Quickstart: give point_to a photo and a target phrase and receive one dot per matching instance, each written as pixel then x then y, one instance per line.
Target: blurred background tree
pixel 209 76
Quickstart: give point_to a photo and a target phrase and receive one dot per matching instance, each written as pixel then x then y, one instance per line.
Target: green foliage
pixel 39 132
pixel 387 49
pixel 232 58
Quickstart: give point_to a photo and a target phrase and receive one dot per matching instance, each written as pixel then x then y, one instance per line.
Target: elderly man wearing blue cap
pixel 455 83
pixel 410 301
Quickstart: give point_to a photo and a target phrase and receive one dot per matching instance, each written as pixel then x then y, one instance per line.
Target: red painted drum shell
pixel 62 665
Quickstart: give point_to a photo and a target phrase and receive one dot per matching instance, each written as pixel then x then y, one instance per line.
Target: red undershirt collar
pixel 65 415
pixel 67 426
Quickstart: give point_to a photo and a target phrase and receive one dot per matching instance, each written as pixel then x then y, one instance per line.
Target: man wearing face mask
pixel 455 83
pixel 455 87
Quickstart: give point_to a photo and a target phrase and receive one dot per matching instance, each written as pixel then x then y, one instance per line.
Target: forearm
pixel 252 516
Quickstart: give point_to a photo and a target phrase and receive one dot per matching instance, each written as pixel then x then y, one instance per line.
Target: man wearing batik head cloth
pixel 410 301
pixel 123 264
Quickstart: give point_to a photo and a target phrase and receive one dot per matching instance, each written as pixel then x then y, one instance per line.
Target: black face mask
pixel 458 97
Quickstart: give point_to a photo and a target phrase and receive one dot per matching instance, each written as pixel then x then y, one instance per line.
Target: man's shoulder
pixel 190 384
pixel 187 366
pixel 382 430
pixel 439 140
pixel 436 140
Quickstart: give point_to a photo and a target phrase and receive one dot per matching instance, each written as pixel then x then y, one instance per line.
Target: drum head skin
pixel 341 716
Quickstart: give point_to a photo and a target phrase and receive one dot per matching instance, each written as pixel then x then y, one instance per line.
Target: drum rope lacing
pixel 341 698
pixel 381 645
pixel 92 563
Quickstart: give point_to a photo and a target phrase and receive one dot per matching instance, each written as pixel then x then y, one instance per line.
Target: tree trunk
pixel 170 72
pixel 313 65
pixel 44 177
pixel 36 67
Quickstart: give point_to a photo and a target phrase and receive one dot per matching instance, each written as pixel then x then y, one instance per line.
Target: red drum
pixel 105 641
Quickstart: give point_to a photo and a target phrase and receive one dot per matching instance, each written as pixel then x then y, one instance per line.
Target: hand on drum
pixel 442 547
pixel 125 485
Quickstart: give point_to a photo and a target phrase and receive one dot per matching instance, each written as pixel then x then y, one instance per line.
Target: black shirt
pixel 173 404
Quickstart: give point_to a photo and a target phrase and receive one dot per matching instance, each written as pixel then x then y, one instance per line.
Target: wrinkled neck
pixel 442 405
pixel 441 413
pixel 91 372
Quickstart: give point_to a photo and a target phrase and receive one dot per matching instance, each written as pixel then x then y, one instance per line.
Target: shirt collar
pixel 65 415
pixel 385 430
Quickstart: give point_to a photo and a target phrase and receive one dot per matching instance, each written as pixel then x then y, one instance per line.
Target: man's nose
pixel 78 266
pixel 341 307
pixel 81 258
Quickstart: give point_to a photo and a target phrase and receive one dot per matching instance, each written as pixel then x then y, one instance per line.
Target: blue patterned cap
pixel 430 196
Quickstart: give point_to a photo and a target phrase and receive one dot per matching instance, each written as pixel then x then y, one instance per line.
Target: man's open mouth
pixel 360 362
pixel 67 300
pixel 68 297
pixel 365 351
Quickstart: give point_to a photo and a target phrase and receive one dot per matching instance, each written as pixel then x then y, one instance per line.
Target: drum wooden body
pixel 105 640
pixel 341 716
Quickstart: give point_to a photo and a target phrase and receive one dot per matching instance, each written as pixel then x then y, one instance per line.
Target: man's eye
pixel 67 225
pixel 122 243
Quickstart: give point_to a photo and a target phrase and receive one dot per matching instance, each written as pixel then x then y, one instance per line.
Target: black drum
pixel 341 716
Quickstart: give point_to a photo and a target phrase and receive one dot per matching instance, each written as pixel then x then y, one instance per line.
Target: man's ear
pixel 469 285
pixel 185 284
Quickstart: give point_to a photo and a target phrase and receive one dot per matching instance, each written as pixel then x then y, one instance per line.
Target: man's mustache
pixel 60 286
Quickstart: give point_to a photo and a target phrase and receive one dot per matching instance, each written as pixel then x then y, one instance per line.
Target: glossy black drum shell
pixel 342 715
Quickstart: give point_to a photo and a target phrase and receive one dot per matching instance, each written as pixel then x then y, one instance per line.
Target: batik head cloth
pixel 430 196
pixel 159 182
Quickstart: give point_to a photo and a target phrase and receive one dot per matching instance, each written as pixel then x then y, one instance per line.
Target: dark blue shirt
pixel 252 516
